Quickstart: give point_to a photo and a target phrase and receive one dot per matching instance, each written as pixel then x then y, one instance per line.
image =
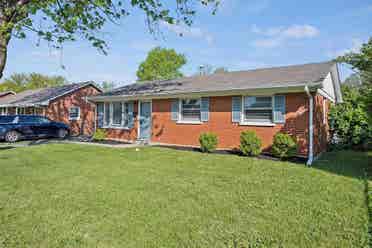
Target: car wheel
pixel 12 136
pixel 62 133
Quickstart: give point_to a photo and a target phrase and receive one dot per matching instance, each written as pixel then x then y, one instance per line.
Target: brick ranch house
pixel 67 103
pixel 292 99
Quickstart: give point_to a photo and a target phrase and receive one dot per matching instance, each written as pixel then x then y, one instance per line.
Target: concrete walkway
pixel 26 143
pixel 101 144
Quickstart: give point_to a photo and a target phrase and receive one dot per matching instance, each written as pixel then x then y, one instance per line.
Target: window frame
pixel 18 110
pixel 180 108
pixel 243 120
pixel 3 111
pixel 124 116
pixel 78 112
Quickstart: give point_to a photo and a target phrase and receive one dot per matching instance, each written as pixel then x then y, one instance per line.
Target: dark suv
pixel 16 127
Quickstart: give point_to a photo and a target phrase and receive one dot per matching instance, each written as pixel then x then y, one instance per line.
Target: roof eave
pixel 272 90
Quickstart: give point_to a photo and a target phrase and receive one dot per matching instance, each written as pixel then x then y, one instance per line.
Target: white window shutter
pixel 236 108
pixel 204 113
pixel 100 115
pixel 175 110
pixel 130 107
pixel 279 109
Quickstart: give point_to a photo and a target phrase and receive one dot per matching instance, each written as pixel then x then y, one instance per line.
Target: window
pixel 117 114
pixel 74 113
pixel 21 111
pixel 28 119
pixel 258 109
pixel 3 111
pixel 190 110
pixel 8 119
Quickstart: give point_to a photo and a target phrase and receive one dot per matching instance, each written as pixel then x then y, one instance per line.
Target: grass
pixel 61 195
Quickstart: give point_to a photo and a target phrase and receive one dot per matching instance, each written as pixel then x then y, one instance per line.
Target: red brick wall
pixel 321 128
pixel 164 130
pixel 58 110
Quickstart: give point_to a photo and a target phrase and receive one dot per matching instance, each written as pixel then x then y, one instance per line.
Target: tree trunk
pixel 4 41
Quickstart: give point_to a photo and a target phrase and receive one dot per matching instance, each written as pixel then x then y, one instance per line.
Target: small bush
pixel 284 146
pixel 100 134
pixel 250 144
pixel 208 142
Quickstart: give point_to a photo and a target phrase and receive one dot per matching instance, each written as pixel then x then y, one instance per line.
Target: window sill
pixel 269 124
pixel 190 122
pixel 115 127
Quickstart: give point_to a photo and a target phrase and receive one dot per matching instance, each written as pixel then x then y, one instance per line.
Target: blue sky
pixel 244 34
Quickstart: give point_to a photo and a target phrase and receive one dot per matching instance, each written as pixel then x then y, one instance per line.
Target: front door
pixel 145 121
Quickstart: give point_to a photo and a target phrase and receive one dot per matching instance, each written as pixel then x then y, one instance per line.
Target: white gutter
pixel 311 128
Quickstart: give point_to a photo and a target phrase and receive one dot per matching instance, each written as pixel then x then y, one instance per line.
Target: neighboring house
pixel 3 111
pixel 292 99
pixel 67 103
pixel 6 93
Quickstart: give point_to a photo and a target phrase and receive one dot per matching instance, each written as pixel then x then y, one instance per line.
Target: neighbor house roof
pixel 268 78
pixel 42 97
pixel 5 93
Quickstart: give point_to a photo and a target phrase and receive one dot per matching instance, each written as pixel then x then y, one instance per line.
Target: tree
pixel 362 62
pixel 58 21
pixel 353 80
pixel 208 69
pixel 161 64
pixel 205 69
pixel 108 86
pixel 351 121
pixel 221 70
pixel 21 81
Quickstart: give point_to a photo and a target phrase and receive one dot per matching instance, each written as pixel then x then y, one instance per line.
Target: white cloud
pixel 186 31
pixel 356 44
pixel 301 31
pixel 278 35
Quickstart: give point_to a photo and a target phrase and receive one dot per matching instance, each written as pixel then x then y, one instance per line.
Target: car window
pixel 42 120
pixel 6 119
pixel 28 119
pixel 33 119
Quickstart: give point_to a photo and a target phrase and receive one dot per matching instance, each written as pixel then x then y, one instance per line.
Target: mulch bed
pixel 266 156
pixel 104 142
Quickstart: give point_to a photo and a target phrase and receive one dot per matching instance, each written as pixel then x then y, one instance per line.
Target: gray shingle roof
pixel 286 76
pixel 41 96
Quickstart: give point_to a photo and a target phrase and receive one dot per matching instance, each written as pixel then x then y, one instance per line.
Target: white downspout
pixel 311 128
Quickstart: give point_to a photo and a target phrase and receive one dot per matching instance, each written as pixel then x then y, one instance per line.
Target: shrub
pixel 100 134
pixel 284 146
pixel 208 142
pixel 350 122
pixel 250 144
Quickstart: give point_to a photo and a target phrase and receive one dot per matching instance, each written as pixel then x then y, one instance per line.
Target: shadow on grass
pixel 345 163
pixel 355 165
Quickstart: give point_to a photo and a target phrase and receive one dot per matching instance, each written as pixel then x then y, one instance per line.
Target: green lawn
pixel 65 195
